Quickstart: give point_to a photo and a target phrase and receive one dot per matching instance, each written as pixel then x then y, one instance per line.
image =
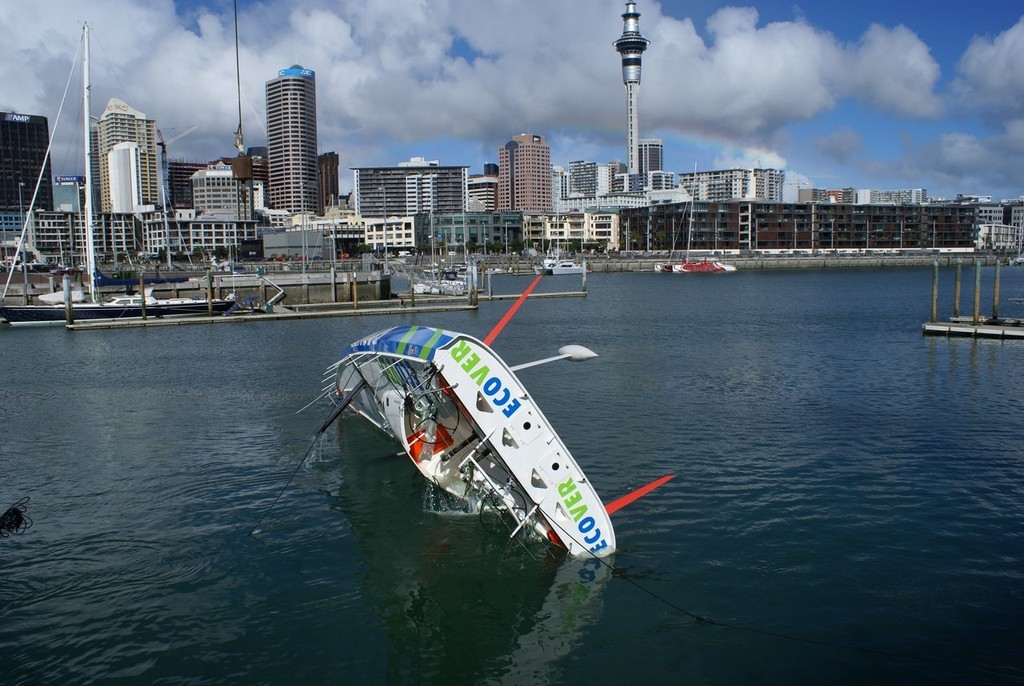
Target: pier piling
pixel 956 287
pixel 935 292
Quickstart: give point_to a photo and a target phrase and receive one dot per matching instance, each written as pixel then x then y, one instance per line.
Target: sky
pixel 871 94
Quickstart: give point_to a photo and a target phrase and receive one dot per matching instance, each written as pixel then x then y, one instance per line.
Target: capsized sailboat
pixel 470 427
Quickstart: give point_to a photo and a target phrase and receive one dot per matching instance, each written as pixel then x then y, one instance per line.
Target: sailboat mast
pixel 90 247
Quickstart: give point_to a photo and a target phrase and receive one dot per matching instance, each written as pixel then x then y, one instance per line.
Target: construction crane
pixel 163 155
pixel 165 181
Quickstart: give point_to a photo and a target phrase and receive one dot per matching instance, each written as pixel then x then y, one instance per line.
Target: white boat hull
pixel 470 427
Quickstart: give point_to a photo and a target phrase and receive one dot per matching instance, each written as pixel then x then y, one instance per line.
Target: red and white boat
pixel 688 266
pixel 704 267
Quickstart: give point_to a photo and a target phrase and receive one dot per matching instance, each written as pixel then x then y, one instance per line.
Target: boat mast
pixel 90 247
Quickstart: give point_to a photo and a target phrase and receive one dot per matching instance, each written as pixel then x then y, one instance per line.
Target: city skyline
pixel 877 95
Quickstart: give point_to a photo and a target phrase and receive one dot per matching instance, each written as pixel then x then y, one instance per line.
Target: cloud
pixel 452 75
pixel 991 71
pixel 893 70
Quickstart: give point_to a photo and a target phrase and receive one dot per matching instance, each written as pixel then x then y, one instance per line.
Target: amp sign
pixel 19 118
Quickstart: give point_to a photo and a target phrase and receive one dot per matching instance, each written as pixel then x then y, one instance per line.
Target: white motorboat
pixel 554 266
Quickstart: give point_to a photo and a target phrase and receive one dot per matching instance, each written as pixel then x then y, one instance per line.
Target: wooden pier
pixel 977 325
pixel 321 311
pixel 966 327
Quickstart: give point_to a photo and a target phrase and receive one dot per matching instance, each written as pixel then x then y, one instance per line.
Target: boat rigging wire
pixel 42 172
pixel 335 413
pixel 14 521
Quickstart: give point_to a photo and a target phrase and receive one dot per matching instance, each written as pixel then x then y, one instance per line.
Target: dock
pixel 986 328
pixel 977 325
pixel 316 311
pixel 305 312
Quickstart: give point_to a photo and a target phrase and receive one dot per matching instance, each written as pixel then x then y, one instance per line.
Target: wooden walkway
pixel 984 328
pixel 315 312
pixel 424 305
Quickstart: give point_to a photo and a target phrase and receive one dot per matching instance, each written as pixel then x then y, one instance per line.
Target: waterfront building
pixel 133 179
pixel 391 233
pixel 585 230
pixel 24 139
pixel 292 140
pixel 1003 239
pixel 631 46
pixel 412 187
pixel 801 228
pixel 524 175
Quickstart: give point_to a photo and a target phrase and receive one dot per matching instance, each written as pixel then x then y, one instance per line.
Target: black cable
pixel 288 483
pixel 14 521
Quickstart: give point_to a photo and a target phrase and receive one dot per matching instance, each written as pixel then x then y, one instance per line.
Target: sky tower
pixel 631 46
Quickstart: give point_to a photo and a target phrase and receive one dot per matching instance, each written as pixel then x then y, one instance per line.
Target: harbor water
pixel 847 503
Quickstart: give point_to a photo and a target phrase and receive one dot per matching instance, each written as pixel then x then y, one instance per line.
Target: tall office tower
pixel 483 189
pixel 524 175
pixel 123 174
pixel 260 165
pixel 631 46
pixel 215 190
pixel 291 140
pixel 23 142
pixel 179 182
pixel 121 123
pixel 329 182
pixel 650 155
pixel 589 179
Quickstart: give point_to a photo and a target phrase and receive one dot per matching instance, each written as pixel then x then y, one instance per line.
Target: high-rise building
pixel 631 46
pixel 734 184
pixel 418 186
pixel 23 142
pixel 651 155
pixel 179 182
pixel 524 175
pixel 122 123
pixel 123 176
pixel 329 182
pixel 483 189
pixel 291 140
pixel 589 179
pixel 215 190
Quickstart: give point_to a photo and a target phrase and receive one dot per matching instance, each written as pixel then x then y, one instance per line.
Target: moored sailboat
pixel 119 307
pixel 688 266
